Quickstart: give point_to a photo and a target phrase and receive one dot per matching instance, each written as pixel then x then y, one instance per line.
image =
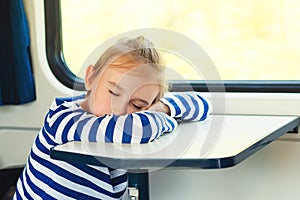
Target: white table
pixel 218 142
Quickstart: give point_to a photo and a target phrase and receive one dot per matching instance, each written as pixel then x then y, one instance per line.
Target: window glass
pixel 247 40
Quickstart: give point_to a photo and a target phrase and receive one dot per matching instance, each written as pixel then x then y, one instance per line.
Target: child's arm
pixel 184 105
pixel 67 122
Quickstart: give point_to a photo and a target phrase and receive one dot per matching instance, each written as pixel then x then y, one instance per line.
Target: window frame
pixel 54 47
pixel 58 66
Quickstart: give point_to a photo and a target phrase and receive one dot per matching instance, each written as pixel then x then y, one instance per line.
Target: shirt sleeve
pixel 67 123
pixel 189 106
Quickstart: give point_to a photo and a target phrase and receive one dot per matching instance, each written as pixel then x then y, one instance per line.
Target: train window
pixel 254 46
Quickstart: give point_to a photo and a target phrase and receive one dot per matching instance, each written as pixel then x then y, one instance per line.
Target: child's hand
pixel 159 107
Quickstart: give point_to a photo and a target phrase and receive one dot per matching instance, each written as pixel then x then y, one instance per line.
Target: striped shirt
pixel 46 178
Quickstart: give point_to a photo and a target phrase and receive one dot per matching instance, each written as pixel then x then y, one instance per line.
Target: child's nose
pixel 120 108
pixel 120 112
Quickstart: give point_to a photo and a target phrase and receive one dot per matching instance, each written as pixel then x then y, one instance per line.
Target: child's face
pixel 121 90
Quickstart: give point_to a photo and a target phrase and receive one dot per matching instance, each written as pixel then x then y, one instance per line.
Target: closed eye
pixel 114 93
pixel 137 107
pixel 139 104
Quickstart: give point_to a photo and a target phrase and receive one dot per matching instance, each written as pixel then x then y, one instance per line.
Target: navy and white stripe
pixel 187 106
pixel 45 178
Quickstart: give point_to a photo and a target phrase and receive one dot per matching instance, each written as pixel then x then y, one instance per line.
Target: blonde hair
pixel 136 50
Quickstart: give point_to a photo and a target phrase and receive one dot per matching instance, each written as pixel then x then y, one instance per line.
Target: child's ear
pixel 89 77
